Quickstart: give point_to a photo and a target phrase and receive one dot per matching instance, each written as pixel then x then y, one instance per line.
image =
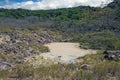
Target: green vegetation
pixel 8 57
pixel 99 40
pixel 40 48
pixel 5 29
pixel 101 69
pixel 95 28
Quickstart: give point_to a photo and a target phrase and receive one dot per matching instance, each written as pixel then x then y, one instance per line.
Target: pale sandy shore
pixel 68 51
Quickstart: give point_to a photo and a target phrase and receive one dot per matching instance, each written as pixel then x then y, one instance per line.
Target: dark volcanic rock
pixel 111 55
pixel 86 67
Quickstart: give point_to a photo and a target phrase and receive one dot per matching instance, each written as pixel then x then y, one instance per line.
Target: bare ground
pixel 66 52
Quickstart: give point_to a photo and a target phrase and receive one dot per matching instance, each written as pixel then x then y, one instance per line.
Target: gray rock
pixel 86 67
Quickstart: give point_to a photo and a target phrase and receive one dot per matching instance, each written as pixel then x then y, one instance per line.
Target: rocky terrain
pixel 23 34
pixel 112 55
pixel 60 53
pixel 18 45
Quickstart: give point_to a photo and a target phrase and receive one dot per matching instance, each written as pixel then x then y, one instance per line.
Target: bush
pixel 104 40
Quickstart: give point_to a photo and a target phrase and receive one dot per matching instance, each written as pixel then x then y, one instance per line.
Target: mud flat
pixel 66 52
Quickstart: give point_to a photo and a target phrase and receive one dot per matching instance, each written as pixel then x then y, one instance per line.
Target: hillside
pixel 23 34
pixel 71 23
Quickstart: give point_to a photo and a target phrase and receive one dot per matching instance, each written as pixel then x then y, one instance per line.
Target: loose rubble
pixel 23 43
pixel 111 55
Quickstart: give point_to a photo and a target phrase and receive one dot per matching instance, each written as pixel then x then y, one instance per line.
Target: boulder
pixel 86 67
pixel 4 65
pixel 111 55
